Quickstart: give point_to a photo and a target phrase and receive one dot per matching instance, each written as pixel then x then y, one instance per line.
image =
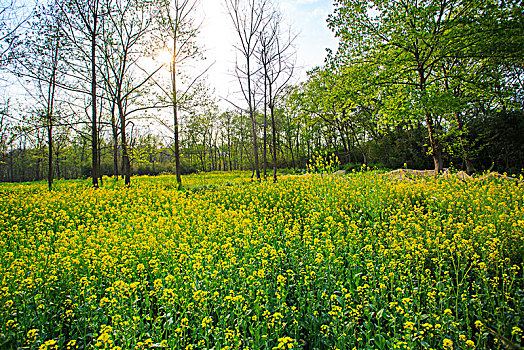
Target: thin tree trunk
pixel 57 164
pixel 50 111
pixel 126 163
pixel 229 150
pixel 12 168
pixel 50 137
pixel 94 130
pixel 115 141
pixel 100 161
pixel 436 152
pixel 265 128
pixel 292 154
pixel 50 155
pixel 253 125
pixel 274 137
pixel 175 118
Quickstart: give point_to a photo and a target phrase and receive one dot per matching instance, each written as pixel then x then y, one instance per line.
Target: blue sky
pixel 308 17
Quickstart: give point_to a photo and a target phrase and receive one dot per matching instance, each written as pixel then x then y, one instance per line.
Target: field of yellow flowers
pixel 311 262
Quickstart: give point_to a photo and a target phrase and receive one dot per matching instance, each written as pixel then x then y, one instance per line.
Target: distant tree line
pixel 222 142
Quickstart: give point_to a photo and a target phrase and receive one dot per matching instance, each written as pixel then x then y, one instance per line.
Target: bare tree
pixel 248 20
pixel 82 26
pixel 51 57
pixel 125 34
pixel 41 58
pixel 176 23
pixel 277 59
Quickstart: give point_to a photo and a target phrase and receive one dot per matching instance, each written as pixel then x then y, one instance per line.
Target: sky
pixel 307 18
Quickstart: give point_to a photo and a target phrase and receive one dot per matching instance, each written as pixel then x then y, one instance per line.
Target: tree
pixel 248 20
pixel 409 43
pixel 201 131
pixel 43 60
pixel 82 25
pixel 125 34
pixel 276 56
pixel 178 35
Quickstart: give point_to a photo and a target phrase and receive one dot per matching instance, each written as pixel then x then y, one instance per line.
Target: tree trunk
pixel 57 164
pixel 50 107
pixel 229 151
pixel 126 163
pixel 94 130
pixel 38 176
pixel 50 155
pixel 265 128
pixel 436 152
pixel 292 154
pixel 100 160
pixel 274 139
pixel 175 118
pixel 12 172
pixel 114 129
pixel 253 125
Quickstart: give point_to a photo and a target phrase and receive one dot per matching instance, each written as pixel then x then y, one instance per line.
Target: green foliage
pixel 432 61
pixel 499 141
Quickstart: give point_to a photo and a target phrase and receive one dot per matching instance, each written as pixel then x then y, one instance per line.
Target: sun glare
pixel 163 56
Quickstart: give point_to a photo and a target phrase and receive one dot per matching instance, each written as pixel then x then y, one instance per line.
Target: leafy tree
pixel 409 44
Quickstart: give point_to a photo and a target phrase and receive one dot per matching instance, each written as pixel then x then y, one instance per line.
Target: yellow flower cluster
pixel 358 261
pixel 323 163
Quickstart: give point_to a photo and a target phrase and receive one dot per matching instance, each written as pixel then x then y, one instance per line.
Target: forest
pixel 428 84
